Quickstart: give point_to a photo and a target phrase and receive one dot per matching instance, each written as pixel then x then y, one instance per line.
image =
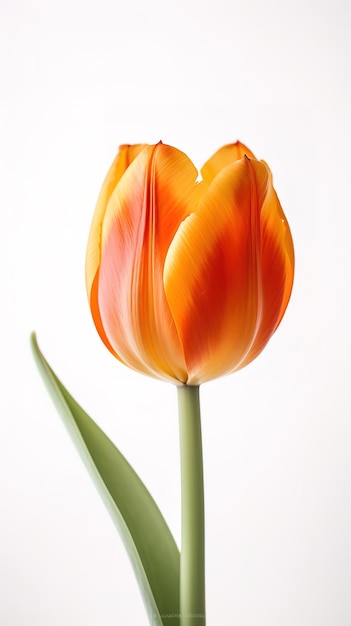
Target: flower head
pixel 187 280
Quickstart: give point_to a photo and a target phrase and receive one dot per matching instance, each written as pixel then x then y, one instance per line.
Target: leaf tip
pixel 33 341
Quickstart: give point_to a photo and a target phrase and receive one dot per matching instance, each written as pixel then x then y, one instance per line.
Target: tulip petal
pixel 155 194
pixel 224 156
pixel 124 158
pixel 213 273
pixel 277 270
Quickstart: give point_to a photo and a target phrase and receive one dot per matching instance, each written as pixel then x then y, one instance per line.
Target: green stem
pixel 192 558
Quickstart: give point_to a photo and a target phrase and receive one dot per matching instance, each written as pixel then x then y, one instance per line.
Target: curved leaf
pixel 148 540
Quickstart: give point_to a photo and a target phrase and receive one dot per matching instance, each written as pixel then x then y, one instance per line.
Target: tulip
pixel 188 277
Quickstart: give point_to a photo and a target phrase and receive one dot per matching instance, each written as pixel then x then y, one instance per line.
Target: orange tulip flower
pixel 188 279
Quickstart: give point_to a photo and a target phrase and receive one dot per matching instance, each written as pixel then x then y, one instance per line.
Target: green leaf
pixel 147 538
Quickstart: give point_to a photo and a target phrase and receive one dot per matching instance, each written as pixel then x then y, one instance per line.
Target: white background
pixel 78 79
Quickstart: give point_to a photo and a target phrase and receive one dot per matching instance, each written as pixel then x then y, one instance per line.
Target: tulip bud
pixel 187 280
